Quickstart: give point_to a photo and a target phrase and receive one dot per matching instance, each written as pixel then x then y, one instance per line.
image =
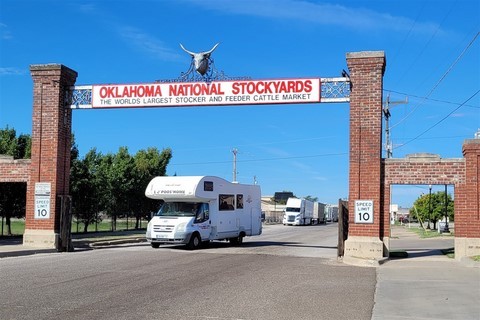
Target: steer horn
pixel 189 52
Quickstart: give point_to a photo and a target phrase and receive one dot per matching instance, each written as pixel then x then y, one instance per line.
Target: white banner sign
pixel 204 93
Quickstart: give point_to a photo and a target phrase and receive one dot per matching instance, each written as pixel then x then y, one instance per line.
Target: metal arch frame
pixel 212 74
pixel 79 97
pixel 333 90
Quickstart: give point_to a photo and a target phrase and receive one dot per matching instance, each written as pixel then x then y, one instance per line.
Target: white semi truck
pixel 198 209
pixel 331 211
pixel 298 212
pixel 319 213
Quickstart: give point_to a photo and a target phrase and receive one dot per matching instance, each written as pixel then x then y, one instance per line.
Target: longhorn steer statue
pixel 200 59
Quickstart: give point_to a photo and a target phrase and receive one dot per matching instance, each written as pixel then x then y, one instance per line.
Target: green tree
pixel 13 195
pixel 432 207
pixel 12 202
pixel 122 183
pixel 8 141
pixel 85 188
pixel 148 164
pixel 24 147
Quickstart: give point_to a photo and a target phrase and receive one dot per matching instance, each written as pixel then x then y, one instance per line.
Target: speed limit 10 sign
pixel 363 211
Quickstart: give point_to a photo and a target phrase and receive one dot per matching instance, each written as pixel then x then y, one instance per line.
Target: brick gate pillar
pixel 365 172
pixel 50 161
pixel 467 204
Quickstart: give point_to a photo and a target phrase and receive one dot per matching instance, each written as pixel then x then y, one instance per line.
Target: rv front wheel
pixel 194 242
pixel 155 245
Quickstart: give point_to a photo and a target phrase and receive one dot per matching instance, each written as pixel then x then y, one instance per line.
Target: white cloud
pixel 8 71
pixel 320 14
pixel 5 34
pixel 147 43
pixel 133 36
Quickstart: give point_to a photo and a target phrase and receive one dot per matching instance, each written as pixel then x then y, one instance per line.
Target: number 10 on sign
pixel 363 211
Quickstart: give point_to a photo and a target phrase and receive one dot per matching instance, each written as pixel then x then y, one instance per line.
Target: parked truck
pixel 331 212
pixel 298 212
pixel 318 213
pixel 199 209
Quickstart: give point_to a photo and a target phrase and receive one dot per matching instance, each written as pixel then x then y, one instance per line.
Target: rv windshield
pixel 290 209
pixel 183 209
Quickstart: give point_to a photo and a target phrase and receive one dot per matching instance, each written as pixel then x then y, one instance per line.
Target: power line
pixel 409 32
pixel 260 143
pixel 440 121
pixel 428 42
pixel 436 138
pixel 430 99
pixel 438 82
pixel 265 159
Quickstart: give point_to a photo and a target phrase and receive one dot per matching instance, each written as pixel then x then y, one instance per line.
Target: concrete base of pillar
pixel 466 247
pixel 47 239
pixel 364 247
pixel 386 246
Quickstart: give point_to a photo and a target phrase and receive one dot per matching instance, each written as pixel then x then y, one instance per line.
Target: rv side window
pixel 226 202
pixel 208 186
pixel 239 201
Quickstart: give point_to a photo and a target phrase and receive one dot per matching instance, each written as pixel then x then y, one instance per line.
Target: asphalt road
pixel 286 273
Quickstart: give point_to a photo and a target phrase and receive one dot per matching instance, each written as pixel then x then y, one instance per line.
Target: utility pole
pixel 386 113
pixel 234 151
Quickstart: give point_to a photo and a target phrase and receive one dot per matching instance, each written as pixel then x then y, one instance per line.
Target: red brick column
pixel 467 204
pixel 51 139
pixel 365 174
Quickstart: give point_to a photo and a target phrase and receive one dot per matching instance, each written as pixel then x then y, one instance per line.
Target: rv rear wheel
pixel 237 240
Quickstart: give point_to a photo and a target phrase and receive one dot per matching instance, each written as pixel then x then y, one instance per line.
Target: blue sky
pixel 432 51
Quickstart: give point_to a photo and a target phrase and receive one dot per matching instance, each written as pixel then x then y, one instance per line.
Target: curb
pixel 364 262
pixel 468 262
pixel 29 252
pixel 106 243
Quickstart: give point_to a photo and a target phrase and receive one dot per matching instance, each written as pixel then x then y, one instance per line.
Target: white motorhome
pixel 298 212
pixel 199 209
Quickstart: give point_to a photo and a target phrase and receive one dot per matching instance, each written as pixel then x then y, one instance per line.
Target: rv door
pixel 202 221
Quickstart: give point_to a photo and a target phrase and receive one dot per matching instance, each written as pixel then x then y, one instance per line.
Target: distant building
pixel 282 197
pixel 272 210
pixel 399 214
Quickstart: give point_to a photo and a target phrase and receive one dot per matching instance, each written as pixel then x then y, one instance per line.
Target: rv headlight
pixel 181 227
pixel 149 230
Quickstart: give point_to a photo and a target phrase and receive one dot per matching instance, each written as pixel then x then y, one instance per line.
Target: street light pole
pixel 446 211
pixel 234 151
pixel 429 205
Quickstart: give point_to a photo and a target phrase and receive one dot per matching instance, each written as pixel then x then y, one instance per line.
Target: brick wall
pixel 421 169
pixel 14 170
pixel 366 75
